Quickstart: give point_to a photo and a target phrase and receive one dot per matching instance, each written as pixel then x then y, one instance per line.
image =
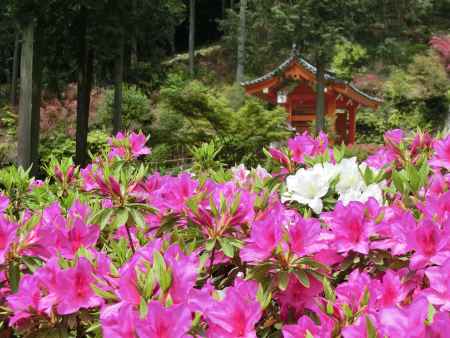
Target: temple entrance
pixel 292 85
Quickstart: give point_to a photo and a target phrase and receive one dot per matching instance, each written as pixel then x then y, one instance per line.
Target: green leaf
pixel 163 274
pixel 264 296
pixel 431 313
pixel 398 181
pixel 102 217
pixel 329 308
pixel 308 334
pixel 213 207
pixel 302 278
pixel 103 294
pixel 14 276
pixel 347 312
pixel 235 204
pixel 138 218
pixel 143 308
pixel 227 248
pixel 165 280
pixel 223 203
pixel 121 218
pixel 210 244
pixel 329 293
pixel 314 264
pixel 371 331
pixel 283 280
pixel 366 297
pixel 32 263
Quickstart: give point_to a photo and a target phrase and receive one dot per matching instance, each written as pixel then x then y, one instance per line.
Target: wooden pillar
pixel 352 124
pixel 30 98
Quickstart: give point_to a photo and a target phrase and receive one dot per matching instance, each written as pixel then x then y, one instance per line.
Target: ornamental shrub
pixel 135 108
pixel 323 245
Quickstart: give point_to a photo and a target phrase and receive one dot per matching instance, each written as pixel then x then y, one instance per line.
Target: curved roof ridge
pixel 329 76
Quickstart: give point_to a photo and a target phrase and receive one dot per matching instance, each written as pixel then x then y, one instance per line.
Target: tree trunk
pixel 30 98
pixel 320 96
pixel 134 46
pixel 223 9
pixel 118 86
pixel 241 42
pixel 15 71
pixel 191 37
pixel 85 70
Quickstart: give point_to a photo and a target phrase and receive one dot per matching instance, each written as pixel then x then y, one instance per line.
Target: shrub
pixel 136 112
pixel 322 246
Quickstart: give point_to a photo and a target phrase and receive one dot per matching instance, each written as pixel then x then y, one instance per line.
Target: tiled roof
pixel 329 76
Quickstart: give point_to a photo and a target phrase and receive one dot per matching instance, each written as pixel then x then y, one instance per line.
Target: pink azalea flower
pixel 128 288
pixel 240 174
pixel 421 141
pixel 7 236
pixel 80 235
pixel 184 269
pixel 175 191
pixel 430 245
pixel 352 291
pixel 128 146
pixel 161 322
pixel 394 137
pixel 296 298
pixel 301 146
pixel 74 290
pixel 79 210
pixel 441 158
pixel 437 207
pixel 440 327
pixel 237 314
pixel 118 320
pixel 394 229
pixel 88 175
pixel 265 235
pixel 439 290
pixel 137 143
pixel 305 237
pixel 4 202
pixel 381 158
pixel 358 329
pixel 349 227
pixel 406 322
pixel 279 156
pixel 389 292
pixel 26 300
pixel 299 330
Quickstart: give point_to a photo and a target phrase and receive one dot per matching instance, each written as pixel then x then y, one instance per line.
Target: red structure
pixel 292 85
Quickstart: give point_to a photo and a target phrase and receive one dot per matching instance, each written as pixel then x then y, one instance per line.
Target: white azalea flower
pixel 362 195
pixel 349 176
pixel 308 186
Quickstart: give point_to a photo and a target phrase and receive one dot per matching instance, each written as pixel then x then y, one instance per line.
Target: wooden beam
pixel 258 87
pixel 351 124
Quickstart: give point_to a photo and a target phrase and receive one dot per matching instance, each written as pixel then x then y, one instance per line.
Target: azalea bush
pixel 320 245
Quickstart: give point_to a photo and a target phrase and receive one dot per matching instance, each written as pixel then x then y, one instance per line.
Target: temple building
pixel 292 85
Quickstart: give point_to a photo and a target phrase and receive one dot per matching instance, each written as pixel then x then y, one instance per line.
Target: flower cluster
pixel 322 246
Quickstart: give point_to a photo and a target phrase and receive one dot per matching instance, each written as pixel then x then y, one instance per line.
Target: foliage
pixel 321 246
pixel 348 58
pixel 57 145
pixel 135 108
pixel 190 113
pixel 414 97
